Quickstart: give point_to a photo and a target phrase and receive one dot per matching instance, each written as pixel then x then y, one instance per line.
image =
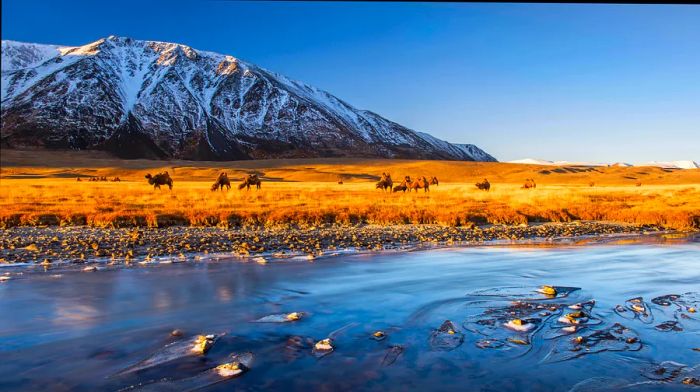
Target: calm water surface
pixel 74 330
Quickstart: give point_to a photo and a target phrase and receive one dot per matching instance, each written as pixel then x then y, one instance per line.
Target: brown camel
pixel 400 188
pixel 403 186
pixel 421 182
pixel 385 183
pixel 221 182
pixel 591 184
pixel 116 179
pixel 160 179
pixel 529 183
pixel 251 179
pixel 434 181
pixel 484 185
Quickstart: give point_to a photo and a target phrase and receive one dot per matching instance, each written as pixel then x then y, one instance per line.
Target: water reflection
pixel 622 316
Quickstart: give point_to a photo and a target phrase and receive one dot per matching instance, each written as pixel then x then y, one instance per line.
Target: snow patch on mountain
pixel 686 164
pixel 18 55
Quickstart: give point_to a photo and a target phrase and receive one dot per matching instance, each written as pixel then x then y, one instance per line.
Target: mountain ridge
pixel 679 164
pixel 152 99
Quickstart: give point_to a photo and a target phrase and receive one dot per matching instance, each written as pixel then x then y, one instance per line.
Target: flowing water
pixel 111 329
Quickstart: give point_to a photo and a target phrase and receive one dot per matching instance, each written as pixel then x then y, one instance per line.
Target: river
pixel 66 329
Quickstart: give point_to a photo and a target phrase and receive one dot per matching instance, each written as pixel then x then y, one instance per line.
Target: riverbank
pixel 82 244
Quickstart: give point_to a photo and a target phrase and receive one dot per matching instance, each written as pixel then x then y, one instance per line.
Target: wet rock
pixel 323 347
pixel 489 343
pixel 281 318
pixel 378 335
pixel 519 341
pixel 691 381
pixel 297 346
pixel 666 300
pixel 196 346
pixel 521 325
pixel 664 371
pixel 237 366
pixel 615 338
pixel 667 326
pixel 447 337
pixel 635 308
pixel 239 363
pixel 392 354
pixel 202 344
pixel 548 290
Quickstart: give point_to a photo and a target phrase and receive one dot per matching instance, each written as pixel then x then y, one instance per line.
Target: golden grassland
pixel 40 188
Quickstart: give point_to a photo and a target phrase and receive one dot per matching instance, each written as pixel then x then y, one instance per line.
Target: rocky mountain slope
pixel 147 99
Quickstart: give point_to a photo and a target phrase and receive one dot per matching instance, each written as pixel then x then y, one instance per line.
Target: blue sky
pixel 563 81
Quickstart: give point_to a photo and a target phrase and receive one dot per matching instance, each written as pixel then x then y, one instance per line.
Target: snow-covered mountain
pixel 688 164
pixel 531 161
pixel 147 99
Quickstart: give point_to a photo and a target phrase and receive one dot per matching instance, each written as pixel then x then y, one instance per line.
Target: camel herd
pixel 422 182
pixel 221 181
pixel 385 182
pixel 97 179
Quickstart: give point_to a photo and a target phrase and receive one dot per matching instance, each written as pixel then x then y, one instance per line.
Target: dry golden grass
pixel 305 192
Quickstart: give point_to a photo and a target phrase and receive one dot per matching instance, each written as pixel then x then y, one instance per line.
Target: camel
pixel 421 182
pixel 484 185
pixel 251 179
pixel 434 181
pixel 160 179
pixel 78 179
pixel 591 184
pixel 403 186
pixel 386 183
pixel 221 182
pixel 116 179
pixel 529 183
pixel 400 188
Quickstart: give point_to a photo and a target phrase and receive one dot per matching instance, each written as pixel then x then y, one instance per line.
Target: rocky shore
pixel 81 244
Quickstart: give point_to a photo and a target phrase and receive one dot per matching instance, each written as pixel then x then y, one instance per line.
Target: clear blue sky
pixel 571 82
